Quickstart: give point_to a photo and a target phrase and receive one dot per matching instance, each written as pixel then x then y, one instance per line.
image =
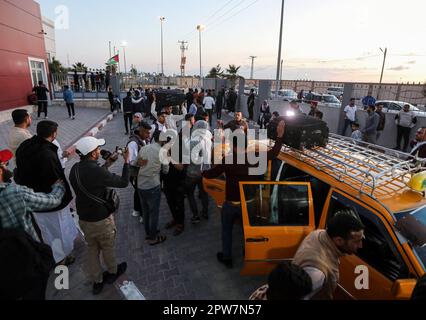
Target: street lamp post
pixel 279 51
pixel 200 28
pixel 162 19
pixel 124 45
pixel 385 53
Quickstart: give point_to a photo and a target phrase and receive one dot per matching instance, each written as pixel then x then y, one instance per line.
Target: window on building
pixel 37 71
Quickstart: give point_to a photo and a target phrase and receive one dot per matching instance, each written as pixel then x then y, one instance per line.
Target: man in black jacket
pixel 128 112
pixel 90 183
pixel 38 167
pixel 41 93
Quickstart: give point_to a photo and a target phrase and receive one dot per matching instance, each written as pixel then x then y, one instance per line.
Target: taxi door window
pixel 378 250
pixel 277 205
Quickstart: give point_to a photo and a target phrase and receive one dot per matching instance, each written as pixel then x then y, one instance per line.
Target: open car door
pixel 277 216
pixel 216 188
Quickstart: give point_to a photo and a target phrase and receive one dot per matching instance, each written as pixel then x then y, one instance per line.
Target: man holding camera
pixel 90 182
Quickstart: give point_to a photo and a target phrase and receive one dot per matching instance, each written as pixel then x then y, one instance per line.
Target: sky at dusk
pixel 332 40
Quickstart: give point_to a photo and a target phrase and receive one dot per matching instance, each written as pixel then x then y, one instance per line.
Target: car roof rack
pixel 373 170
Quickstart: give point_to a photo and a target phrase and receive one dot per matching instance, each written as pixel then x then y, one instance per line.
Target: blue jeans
pixel 150 202
pixel 229 214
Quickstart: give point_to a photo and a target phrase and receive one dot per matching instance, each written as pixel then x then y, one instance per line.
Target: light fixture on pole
pixel 385 54
pixel 124 45
pixel 200 28
pixel 252 66
pixel 279 51
pixel 162 19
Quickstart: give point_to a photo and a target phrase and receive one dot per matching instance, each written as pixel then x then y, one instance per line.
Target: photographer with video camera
pixel 96 204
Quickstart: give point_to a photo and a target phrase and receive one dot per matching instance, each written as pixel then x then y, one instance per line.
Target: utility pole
pixel 110 50
pixel 200 28
pixel 162 19
pixel 277 89
pixel 385 54
pixel 252 67
pixel 281 77
pixel 183 48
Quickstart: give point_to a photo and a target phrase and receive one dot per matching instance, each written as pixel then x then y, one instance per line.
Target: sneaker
pixel 136 214
pixel 179 230
pixel 111 278
pixel 73 118
pixel 195 220
pixel 97 288
pixel 224 261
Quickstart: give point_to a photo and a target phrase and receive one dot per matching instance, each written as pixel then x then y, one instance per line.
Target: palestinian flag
pixel 113 61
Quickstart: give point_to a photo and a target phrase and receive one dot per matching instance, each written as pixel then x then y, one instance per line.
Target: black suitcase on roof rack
pixel 301 131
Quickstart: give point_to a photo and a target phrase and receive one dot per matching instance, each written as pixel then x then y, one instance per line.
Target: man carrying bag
pixel 96 203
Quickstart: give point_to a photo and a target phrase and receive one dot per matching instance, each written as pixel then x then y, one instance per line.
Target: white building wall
pixel 49 38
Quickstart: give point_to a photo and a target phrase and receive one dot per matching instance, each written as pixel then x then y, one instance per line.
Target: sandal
pixel 159 240
pixel 179 230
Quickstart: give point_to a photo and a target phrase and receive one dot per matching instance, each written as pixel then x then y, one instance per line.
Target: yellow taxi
pixel 302 190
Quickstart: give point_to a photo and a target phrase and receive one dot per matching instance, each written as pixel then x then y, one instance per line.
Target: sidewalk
pixel 69 130
pixel 183 268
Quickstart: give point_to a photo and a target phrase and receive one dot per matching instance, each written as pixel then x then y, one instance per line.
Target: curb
pixel 91 133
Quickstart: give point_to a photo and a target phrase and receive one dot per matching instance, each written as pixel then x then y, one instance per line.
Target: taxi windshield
pixel 413 226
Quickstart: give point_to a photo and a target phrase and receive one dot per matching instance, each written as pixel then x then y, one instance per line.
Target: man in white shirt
pixel 19 132
pixel 160 125
pixel 171 119
pixel 149 186
pixel 350 116
pixel 209 104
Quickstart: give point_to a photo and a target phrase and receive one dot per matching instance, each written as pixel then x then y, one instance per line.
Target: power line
pixel 234 15
pixel 223 7
pixel 223 15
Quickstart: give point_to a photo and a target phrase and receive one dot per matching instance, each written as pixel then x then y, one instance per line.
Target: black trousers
pixel 190 185
pixel 219 112
pixel 251 111
pixel 42 108
pixel 403 133
pixel 71 110
pixel 128 121
pixel 210 112
pixel 175 195
pixel 136 200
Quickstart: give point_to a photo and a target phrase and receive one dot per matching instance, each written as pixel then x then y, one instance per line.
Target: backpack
pixel 24 260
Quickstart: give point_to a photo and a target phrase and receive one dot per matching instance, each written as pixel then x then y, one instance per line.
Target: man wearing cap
pixel 137 141
pixel 137 120
pixel 17 205
pixel 90 182
pixel 38 166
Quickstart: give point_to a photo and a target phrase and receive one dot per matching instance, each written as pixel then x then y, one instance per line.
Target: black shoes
pixel 97 288
pixel 195 220
pixel 111 278
pixel 224 261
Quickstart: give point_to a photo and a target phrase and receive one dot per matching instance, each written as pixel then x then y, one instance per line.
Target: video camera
pixel 112 156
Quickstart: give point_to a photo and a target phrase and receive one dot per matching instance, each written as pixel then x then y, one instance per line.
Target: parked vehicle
pixel 336 91
pixel 304 189
pixel 323 100
pixel 395 106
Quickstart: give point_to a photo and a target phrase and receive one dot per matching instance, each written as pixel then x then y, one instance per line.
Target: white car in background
pixel 329 100
pixel 396 106
pixel 288 95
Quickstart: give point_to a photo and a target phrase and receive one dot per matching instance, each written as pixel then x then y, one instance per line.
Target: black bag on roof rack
pixel 301 131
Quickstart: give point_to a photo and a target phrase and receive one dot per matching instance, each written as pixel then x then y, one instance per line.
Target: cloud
pixel 399 68
pixel 412 62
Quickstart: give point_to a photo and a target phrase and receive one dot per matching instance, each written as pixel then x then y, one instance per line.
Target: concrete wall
pixel 49 38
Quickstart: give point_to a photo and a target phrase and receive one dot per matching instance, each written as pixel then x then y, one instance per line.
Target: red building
pixel 23 60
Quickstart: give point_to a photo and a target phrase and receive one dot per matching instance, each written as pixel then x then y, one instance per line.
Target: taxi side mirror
pixel 403 289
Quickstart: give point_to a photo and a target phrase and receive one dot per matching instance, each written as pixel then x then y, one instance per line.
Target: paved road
pixel 182 268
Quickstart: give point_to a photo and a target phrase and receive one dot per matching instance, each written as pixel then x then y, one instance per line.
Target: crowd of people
pixel 35 197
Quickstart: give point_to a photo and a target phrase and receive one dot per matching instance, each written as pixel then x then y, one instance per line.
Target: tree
pixel 133 71
pixel 232 74
pixel 56 67
pixel 215 72
pixel 79 67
